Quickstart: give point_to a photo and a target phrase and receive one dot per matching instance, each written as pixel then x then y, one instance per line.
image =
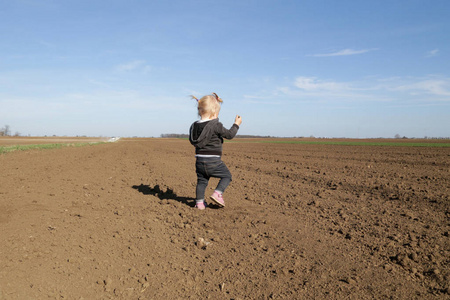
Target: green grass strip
pixel 7 149
pixel 353 143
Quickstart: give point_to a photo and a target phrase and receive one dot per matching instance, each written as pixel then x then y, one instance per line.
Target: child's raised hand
pixel 238 120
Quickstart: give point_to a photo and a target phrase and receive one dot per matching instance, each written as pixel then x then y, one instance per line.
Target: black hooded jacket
pixel 207 137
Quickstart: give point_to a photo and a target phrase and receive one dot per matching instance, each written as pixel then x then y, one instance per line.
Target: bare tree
pixel 7 130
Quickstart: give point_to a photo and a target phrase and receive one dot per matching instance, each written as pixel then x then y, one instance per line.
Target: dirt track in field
pixel 116 220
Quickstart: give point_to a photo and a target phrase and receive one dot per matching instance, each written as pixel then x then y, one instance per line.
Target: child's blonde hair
pixel 208 105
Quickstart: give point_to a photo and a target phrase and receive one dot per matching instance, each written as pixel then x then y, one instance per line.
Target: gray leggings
pixel 207 167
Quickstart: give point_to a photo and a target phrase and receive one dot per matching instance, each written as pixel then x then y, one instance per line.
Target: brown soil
pixel 116 220
pixel 19 140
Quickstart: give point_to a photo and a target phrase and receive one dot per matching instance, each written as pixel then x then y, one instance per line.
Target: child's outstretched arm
pixel 230 133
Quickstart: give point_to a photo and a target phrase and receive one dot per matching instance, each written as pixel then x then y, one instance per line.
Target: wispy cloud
pixel 432 53
pixel 315 89
pixel 432 86
pixel 404 89
pixel 133 65
pixel 344 52
pixel 314 84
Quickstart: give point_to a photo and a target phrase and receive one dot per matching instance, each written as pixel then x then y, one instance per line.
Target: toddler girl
pixel 207 136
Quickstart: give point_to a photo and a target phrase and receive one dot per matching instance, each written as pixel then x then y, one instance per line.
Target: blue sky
pixel 290 68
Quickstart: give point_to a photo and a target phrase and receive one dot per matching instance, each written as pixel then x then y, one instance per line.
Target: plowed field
pixel 116 220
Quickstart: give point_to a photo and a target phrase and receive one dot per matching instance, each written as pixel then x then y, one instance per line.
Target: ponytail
pixel 217 98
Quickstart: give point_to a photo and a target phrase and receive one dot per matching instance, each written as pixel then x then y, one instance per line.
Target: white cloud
pixel 431 86
pixel 313 84
pixel 395 89
pixel 133 65
pixel 344 52
pixel 432 53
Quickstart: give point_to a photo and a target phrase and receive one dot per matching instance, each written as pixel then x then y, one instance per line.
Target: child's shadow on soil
pixel 165 195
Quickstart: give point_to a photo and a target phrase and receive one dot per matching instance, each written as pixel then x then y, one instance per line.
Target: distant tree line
pixel 6 131
pixel 185 136
pixel 175 135
pixel 249 136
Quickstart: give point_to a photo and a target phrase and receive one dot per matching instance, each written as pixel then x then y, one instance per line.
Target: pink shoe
pixel 201 205
pixel 218 199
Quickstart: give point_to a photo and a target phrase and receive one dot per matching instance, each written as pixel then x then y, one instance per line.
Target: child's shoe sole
pixel 217 201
